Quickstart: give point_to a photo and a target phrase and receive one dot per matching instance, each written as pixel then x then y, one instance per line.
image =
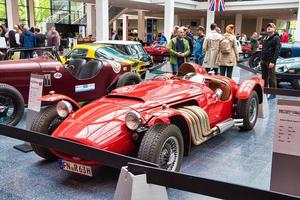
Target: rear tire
pixel 163 145
pixel 296 84
pixel 128 78
pixel 46 122
pixel 248 111
pixel 10 95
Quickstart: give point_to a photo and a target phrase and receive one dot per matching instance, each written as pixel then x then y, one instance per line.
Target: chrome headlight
pixel 133 120
pixel 64 108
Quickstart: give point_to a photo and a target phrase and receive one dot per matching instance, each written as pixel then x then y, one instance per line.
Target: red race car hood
pixel 98 124
pixel 157 92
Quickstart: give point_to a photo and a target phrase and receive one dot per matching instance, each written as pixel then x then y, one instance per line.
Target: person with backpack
pixel 211 49
pixel 179 49
pixel 198 53
pixel 228 52
pixel 269 55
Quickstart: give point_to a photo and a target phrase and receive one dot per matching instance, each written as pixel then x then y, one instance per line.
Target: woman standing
pixel 228 52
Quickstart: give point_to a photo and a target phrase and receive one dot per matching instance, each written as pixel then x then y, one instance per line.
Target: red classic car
pixel 157 52
pixel 157 120
pixel 80 79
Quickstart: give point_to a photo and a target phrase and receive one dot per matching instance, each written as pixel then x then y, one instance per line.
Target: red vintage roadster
pixel 157 120
pixel 79 79
pixel 157 52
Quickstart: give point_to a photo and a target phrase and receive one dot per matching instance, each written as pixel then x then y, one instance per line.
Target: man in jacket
pixel 211 49
pixel 198 53
pixel 269 55
pixel 179 50
pixel 27 40
pixel 228 52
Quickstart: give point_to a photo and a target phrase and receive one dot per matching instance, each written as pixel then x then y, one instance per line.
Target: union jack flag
pixel 216 5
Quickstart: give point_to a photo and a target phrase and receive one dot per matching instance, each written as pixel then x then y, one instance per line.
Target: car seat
pixel 186 68
pixel 89 69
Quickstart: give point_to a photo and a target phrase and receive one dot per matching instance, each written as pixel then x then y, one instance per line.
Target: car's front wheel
pixel 45 122
pixel 248 111
pixel 11 105
pixel 163 145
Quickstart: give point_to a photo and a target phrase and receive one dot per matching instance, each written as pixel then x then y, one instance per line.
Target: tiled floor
pixel 237 157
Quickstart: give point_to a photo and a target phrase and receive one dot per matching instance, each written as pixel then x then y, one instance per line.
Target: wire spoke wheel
pixel 7 109
pixel 253 110
pixel 168 157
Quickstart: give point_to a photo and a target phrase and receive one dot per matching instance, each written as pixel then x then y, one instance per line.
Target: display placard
pixel 35 92
pixel 286 149
pixel 3 43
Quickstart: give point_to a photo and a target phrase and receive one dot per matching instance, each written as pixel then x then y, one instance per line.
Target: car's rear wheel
pixel 45 122
pixel 248 111
pixel 11 105
pixel 128 78
pixel 296 84
pixel 254 61
pixel 163 145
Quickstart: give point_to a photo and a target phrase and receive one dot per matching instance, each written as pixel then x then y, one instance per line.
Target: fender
pixel 54 98
pixel 245 89
pixel 172 116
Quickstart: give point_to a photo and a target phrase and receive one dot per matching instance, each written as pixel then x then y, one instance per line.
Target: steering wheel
pixel 47 54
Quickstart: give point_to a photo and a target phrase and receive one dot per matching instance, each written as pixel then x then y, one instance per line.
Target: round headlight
pixel 64 108
pixel 133 120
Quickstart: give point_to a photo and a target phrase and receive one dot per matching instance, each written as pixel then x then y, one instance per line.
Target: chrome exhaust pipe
pixel 224 126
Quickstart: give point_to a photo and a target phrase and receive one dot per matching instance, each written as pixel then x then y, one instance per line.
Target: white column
pixel 210 19
pixel 169 18
pixel 115 25
pixel 12 13
pixel 202 21
pixel 31 14
pixel 238 23
pixel 297 36
pixel 141 24
pixel 176 20
pixel 125 27
pixel 222 27
pixel 102 20
pixel 89 19
pixel 259 22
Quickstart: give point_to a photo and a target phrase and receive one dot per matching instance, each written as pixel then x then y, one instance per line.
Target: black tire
pixel 254 60
pixel 156 139
pixel 45 122
pixel 128 78
pixel 296 84
pixel 247 112
pixel 15 98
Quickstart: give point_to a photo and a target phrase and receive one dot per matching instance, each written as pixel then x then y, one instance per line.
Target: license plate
pixel 76 168
pixel 147 63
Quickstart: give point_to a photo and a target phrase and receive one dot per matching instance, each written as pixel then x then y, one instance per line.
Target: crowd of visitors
pixel 21 36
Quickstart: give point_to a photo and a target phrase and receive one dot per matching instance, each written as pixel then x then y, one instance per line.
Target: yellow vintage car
pixel 94 51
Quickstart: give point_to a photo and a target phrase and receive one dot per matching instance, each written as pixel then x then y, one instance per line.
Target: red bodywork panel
pixel 101 124
pixel 17 74
pixel 157 51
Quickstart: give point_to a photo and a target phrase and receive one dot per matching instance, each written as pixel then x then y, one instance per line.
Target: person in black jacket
pixel 270 53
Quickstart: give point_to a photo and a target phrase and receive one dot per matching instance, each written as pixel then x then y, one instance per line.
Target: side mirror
pixel 218 94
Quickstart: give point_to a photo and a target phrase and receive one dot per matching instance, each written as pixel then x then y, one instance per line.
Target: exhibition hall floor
pixel 237 157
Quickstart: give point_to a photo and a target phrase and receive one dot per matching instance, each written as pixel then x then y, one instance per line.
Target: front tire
pixel 46 122
pixel 128 78
pixel 163 145
pixel 11 105
pixel 254 60
pixel 248 111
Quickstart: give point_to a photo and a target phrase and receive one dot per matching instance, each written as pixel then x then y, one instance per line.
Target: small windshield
pixel 78 53
pixel 196 78
pixel 110 53
pixel 136 51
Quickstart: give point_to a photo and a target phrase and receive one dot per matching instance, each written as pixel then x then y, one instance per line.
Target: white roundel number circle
pixel 115 66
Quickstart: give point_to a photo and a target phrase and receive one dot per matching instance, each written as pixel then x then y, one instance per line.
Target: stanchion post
pixel 135 187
